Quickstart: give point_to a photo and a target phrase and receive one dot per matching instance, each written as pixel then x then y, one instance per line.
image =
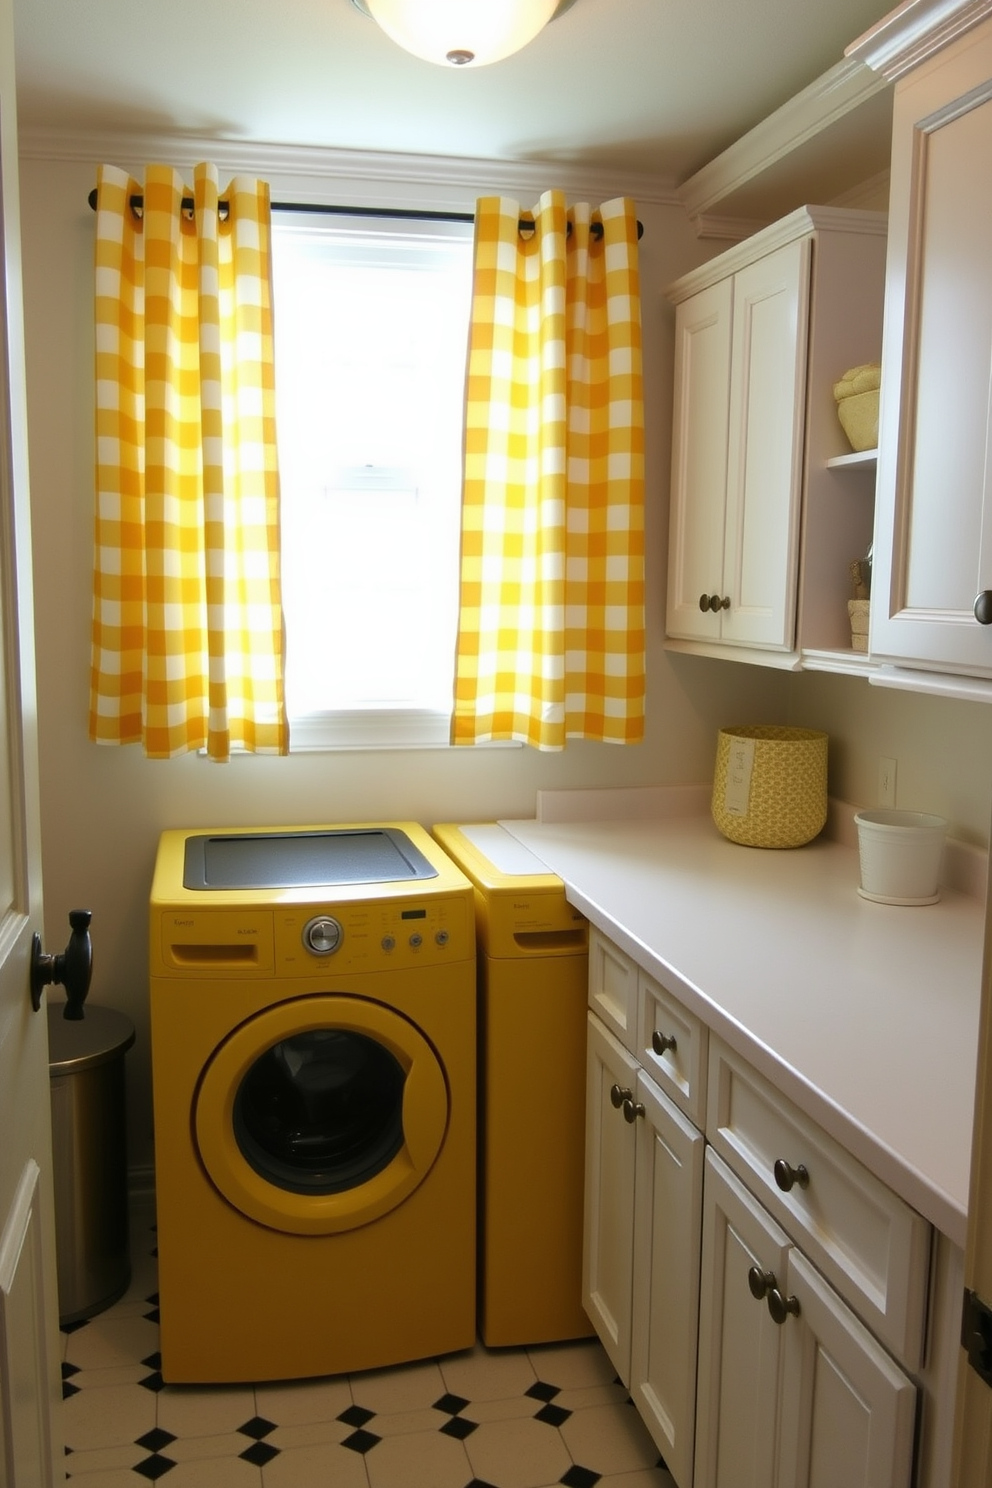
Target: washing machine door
pixel 321 1114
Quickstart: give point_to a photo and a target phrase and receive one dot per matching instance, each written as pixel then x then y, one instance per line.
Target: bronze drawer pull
pixel 786 1176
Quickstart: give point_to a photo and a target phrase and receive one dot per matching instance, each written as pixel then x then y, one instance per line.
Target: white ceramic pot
pixel 901 854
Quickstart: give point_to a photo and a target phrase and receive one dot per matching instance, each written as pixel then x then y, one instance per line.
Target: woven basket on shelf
pixel 770 785
pixel 859 610
pixel 857 405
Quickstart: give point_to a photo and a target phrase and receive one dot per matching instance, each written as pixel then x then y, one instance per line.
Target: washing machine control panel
pixel 308 939
pixel 376 935
pixel 323 935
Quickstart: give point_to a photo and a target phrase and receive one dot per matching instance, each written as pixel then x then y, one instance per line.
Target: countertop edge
pixel 945 1211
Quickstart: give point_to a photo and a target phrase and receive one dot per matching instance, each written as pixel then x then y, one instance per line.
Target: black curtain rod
pixel 415 214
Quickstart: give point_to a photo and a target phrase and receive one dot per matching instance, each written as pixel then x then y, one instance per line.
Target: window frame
pixel 373 727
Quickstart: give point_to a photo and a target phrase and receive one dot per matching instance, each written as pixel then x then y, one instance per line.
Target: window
pixel 371 329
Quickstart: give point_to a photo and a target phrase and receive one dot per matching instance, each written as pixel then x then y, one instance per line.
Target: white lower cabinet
pixel 608 1238
pixel 762 1295
pixel 792 1389
pixel 740 1348
pixel 848 1410
pixel 667 1196
pixel 643 1201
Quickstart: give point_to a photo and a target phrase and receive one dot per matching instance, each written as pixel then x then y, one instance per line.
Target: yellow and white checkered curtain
pixel 551 628
pixel 187 615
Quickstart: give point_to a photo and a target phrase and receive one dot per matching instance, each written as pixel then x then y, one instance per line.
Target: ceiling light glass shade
pixel 462 33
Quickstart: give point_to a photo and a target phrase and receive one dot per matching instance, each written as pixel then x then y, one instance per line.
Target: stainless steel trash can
pixel 89 1142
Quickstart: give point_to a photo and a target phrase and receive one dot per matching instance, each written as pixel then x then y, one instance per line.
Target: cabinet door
pixel 608 1227
pixel 667 1218
pixel 765 447
pixel 740 1347
pixel 933 533
pixel 848 1411
pixel 699 460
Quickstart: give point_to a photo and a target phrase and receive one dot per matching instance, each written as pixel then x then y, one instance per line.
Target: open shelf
pixel 857 460
pixel 844 662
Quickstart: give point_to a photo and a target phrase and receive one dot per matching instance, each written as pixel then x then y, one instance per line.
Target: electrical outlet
pixel 886 782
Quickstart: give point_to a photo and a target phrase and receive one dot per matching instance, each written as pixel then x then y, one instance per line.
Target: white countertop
pixel 864 1014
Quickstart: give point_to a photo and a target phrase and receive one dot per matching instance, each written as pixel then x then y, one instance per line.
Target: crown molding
pixel 914 32
pixel 726 229
pixel 797 224
pixel 325 168
pixel 827 100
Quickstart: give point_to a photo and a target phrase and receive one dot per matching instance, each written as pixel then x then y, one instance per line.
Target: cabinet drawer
pixel 671 1045
pixel 870 1245
pixel 613 988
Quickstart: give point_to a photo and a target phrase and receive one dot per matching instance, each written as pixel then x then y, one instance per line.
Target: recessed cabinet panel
pixel 613 988
pixel 667 1209
pixel 946 487
pixel 699 473
pixel 767 401
pixel 933 520
pixel 740 1347
pixel 607 1259
pixel 848 1411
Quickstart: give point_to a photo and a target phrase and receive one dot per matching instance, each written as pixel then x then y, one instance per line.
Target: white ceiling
pixel 658 86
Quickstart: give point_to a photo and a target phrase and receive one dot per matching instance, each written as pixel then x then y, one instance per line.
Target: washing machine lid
pixel 290 860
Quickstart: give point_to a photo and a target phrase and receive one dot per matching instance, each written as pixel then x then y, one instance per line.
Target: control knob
pixel 322 935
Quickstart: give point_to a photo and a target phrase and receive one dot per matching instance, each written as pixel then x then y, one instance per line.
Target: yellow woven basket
pixel 857 405
pixel 770 785
pixel 859 611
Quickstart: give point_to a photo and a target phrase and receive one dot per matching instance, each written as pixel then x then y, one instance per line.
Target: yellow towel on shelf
pixel 857 405
pixel 865 379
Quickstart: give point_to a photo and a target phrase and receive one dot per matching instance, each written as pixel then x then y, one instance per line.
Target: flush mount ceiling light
pixel 462 33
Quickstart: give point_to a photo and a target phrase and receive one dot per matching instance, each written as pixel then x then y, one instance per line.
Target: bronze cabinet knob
pixel 782 1307
pixel 983 607
pixel 787 1177
pixel 760 1282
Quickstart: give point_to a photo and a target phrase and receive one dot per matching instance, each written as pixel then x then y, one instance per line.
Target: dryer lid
pixel 292 860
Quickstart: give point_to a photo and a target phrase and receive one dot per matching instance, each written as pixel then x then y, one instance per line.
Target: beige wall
pixel 942 747
pixel 103 808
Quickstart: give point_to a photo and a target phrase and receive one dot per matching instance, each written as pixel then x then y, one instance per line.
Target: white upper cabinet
pixel 762 532
pixel 740 352
pixel 933 532
pixel 699 461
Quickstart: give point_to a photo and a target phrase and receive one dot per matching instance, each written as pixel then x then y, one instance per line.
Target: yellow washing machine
pixel 533 964
pixel 314 1070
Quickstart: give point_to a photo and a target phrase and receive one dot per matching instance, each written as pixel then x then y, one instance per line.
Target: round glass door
pixel 322 1111
pixel 321 1114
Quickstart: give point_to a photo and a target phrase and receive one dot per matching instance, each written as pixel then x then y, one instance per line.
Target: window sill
pixel 367 729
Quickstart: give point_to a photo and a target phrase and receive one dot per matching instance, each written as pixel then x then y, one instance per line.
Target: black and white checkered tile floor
pixel 503 1418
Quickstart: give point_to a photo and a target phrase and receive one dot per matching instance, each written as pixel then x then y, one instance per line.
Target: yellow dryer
pixel 314 1073
pixel 533 968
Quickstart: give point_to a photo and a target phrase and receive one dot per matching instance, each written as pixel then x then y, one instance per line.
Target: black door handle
pixel 72 969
